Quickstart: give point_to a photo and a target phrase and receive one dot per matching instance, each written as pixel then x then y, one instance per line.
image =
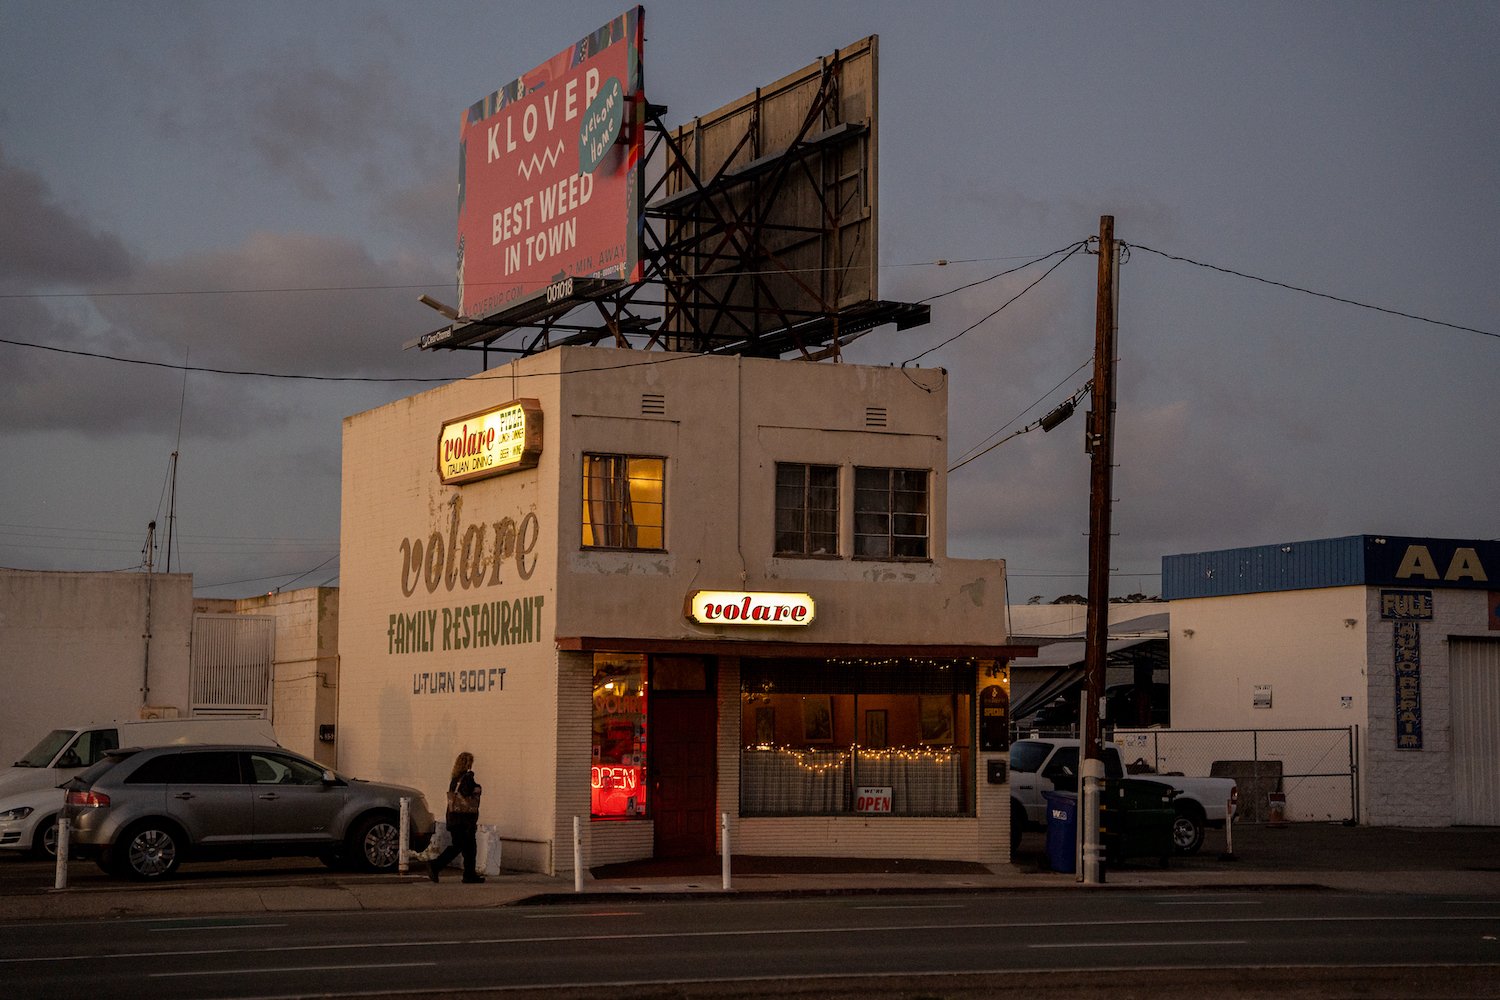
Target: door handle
pixel 183 795
pixel 269 796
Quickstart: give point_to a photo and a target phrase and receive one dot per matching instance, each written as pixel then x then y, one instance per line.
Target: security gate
pixel 233 661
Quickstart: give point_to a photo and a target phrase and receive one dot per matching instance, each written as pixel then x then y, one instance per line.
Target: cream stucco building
pixel 657 589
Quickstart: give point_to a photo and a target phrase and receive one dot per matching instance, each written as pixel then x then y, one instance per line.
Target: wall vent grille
pixel 653 404
pixel 875 416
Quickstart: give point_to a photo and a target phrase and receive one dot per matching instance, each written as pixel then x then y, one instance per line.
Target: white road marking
pixel 288 968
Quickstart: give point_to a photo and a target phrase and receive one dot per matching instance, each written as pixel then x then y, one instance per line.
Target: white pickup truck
pixel 1041 765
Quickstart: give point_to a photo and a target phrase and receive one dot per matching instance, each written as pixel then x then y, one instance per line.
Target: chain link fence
pixel 1315 770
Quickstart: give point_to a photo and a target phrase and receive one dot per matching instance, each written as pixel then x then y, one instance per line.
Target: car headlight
pixel 15 814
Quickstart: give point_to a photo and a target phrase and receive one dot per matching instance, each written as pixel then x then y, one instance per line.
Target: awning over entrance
pixel 1059 666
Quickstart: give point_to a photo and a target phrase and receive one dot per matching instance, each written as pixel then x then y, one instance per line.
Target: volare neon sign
pixel 739 607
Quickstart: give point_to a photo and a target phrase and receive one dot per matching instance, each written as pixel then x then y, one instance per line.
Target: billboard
pixel 771 205
pixel 549 175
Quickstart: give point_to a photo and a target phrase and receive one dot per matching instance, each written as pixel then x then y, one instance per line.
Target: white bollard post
pixel 60 879
pixel 1228 854
pixel 577 855
pixel 724 848
pixel 403 848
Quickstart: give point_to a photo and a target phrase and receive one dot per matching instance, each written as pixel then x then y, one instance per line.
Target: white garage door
pixel 1476 731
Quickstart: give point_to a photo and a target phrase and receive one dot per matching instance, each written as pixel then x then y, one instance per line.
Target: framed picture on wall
pixel 817 718
pixel 765 725
pixel 935 719
pixel 875 731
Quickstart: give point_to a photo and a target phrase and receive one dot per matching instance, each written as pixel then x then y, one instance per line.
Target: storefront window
pixel 618 772
pixel 825 738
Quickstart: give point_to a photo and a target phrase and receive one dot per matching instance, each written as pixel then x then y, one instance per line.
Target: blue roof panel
pixel 1328 562
pixel 1355 560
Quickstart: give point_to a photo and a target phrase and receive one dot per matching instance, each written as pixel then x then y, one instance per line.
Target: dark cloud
pixel 244 308
pixel 43 244
pixel 291 303
pixel 321 128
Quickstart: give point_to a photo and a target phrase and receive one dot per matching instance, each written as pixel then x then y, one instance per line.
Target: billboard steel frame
pixel 749 259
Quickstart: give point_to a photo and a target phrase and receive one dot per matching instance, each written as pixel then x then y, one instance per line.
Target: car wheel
pixel 374 843
pixel 1017 824
pixel 1187 830
pixel 44 841
pixel 148 851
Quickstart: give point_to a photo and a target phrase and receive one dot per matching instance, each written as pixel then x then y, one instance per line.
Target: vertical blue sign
pixel 1405 609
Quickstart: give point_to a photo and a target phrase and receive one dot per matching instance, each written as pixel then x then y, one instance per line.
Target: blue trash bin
pixel 1062 831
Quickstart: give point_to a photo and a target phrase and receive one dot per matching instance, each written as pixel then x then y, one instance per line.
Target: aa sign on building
pixel 549 174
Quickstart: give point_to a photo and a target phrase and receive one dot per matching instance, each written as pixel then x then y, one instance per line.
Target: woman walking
pixel 462 818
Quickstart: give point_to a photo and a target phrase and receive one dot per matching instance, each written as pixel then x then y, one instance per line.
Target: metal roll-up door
pixel 1475 679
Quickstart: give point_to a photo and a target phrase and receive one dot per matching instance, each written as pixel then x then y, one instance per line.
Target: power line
pixel 310 572
pixel 1075 248
pixel 1309 291
pixel 972 284
pixel 300 289
pixel 211 371
pixel 970 455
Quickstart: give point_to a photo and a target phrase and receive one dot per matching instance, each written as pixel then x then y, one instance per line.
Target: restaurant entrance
pixel 684 728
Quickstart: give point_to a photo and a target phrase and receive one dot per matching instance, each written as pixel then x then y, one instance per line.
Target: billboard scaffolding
pixel 759 234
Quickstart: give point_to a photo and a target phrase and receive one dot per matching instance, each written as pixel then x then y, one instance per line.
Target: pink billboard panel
pixel 549 184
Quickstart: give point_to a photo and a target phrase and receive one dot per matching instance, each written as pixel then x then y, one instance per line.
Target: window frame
pixel 591 531
pixel 806 511
pixel 891 514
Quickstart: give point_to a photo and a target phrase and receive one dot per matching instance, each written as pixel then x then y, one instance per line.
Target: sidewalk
pixel 1450 861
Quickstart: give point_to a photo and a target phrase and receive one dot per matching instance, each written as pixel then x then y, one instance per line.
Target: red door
pixel 683 730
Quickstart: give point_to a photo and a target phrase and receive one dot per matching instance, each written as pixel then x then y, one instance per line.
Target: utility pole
pixel 171 511
pixel 1100 438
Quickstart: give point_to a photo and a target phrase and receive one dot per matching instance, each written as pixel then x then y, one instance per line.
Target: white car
pixel 28 821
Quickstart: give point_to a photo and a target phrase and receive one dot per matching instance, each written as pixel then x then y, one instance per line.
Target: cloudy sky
pixel 267 187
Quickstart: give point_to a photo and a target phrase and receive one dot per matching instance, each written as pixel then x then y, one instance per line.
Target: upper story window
pixel 890 513
pixel 624 501
pixel 807 509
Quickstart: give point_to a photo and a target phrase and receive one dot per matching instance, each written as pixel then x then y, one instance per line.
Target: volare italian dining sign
pixel 490 442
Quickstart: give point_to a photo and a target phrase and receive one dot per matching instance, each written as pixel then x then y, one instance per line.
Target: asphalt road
pixel 959 945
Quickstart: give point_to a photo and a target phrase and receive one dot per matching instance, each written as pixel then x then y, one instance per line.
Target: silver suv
pixel 139 813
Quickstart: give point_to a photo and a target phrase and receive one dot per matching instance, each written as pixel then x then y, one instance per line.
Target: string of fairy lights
pixel 827 761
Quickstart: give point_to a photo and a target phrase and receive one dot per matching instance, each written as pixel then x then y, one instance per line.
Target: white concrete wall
pixel 727 421
pixel 305 679
pixel 1300 643
pixel 73 649
pixel 397 720
pixel 1329 660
